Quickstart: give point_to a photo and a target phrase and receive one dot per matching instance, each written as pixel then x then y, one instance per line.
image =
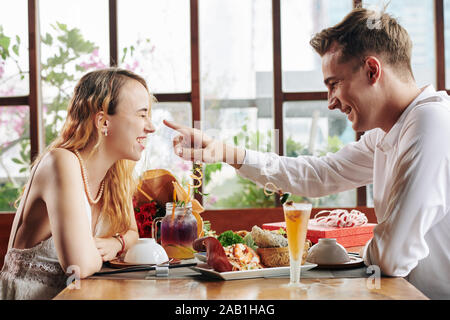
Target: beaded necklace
pixel 86 182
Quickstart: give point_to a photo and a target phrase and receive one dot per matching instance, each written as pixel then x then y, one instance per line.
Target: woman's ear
pixel 372 68
pixel 101 123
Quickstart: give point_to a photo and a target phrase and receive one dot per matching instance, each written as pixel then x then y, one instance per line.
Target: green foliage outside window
pixel 249 194
pixel 72 56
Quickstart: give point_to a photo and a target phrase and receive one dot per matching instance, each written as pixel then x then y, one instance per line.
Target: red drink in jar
pixel 178 231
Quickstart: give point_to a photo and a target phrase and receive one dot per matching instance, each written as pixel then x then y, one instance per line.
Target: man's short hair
pixel 364 32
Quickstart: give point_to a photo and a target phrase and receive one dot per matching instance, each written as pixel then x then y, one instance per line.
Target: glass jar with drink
pixel 178 230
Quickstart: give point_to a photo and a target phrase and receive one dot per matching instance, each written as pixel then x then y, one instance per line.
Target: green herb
pixel 180 204
pixel 229 238
pixel 281 231
pixel 284 197
pixel 248 240
pixel 202 194
pixel 207 229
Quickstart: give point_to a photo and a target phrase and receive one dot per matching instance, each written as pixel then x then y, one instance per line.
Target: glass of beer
pixel 296 216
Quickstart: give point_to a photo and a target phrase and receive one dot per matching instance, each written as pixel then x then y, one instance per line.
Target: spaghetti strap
pixel 18 218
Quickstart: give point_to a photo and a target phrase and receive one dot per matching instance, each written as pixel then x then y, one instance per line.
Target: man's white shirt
pixel 410 170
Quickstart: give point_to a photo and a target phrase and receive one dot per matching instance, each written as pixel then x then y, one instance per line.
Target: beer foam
pixel 298 206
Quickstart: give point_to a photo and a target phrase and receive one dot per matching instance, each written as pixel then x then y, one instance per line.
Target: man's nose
pixel 333 103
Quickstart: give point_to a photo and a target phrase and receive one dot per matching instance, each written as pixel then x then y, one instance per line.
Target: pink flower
pixel 212 200
pixel 94 61
pixel 18 126
pixel 183 166
pixel 8 92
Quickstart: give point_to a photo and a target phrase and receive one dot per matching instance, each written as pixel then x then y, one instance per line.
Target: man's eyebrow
pixel 327 80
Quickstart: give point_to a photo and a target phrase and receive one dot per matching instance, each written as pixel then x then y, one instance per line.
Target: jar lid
pixel 169 205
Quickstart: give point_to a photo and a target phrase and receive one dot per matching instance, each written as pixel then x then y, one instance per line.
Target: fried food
pixel 242 257
pixel 242 233
pixel 268 239
pixel 279 257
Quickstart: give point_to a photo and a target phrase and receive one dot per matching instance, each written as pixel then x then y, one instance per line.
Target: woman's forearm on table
pixel 130 238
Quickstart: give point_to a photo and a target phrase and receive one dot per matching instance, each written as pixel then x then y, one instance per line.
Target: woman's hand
pixel 108 247
pixel 193 145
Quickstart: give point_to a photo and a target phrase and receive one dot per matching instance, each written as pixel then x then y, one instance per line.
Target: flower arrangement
pixel 145 213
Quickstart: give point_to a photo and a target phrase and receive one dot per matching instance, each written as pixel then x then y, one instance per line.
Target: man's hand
pixel 193 145
pixel 108 247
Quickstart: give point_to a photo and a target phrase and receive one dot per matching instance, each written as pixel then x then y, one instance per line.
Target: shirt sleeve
pixel 419 194
pixel 312 176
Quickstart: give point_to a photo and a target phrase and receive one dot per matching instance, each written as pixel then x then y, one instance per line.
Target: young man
pixel 404 152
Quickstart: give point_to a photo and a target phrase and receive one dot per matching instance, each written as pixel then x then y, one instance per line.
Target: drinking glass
pixel 178 231
pixel 296 216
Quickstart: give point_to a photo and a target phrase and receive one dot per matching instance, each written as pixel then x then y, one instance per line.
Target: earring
pixel 105 132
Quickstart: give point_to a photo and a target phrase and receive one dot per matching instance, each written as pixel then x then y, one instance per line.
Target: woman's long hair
pixel 99 91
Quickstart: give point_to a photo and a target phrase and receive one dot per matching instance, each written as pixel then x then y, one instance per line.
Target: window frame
pixel 34 99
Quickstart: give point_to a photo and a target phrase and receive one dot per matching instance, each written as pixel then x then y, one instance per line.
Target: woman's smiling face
pixel 129 126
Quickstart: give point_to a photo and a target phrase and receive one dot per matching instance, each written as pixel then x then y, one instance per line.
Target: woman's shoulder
pixel 59 161
pixel 60 156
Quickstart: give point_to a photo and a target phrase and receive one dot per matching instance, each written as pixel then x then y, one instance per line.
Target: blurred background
pixel 242 70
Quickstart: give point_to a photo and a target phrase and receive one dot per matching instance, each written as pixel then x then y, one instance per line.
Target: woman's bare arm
pixel 109 247
pixel 69 223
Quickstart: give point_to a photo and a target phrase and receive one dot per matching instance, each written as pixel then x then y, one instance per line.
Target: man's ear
pixel 101 121
pixel 372 68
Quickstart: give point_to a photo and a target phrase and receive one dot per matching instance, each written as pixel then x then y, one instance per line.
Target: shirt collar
pixel 391 137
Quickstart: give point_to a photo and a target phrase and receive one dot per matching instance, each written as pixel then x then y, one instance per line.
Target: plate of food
pixel 243 255
pixel 248 274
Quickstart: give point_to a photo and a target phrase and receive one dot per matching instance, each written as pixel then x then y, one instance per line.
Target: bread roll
pixel 268 239
pixel 279 257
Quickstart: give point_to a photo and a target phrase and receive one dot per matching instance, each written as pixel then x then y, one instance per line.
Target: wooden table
pixel 248 289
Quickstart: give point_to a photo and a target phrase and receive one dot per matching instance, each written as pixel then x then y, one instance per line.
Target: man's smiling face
pixel 350 90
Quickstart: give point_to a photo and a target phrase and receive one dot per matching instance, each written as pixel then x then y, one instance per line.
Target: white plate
pixel 201 256
pixel 247 274
pixel 355 262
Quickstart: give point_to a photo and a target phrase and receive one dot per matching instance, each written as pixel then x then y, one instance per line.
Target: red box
pixel 347 237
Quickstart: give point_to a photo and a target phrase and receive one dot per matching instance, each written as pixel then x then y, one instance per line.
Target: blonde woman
pixel 76 209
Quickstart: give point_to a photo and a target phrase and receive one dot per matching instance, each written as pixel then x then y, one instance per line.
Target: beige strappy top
pixel 33 273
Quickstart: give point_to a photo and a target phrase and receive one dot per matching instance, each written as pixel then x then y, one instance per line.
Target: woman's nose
pixel 150 127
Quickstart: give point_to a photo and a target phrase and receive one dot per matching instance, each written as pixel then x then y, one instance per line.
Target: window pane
pixel 300 20
pixel 159 152
pixel 417 17
pixel 156 37
pixel 14 154
pixel 237 91
pixel 447 42
pixel 311 129
pixel 14 66
pixel 74 40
